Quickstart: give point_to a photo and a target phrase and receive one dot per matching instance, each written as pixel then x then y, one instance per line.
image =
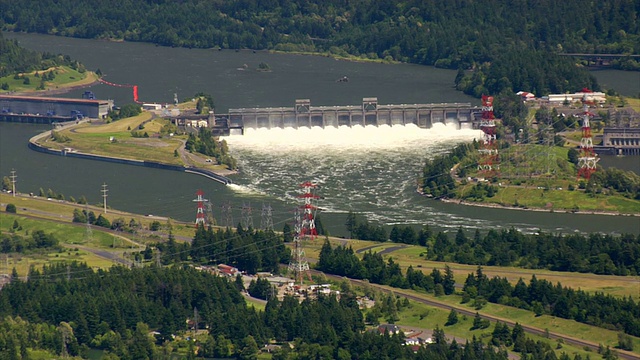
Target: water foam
pixel 369 170
pixel 347 138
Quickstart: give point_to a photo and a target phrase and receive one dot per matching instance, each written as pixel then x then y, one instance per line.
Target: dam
pixel 305 115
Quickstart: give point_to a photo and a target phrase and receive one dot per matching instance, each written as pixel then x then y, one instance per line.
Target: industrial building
pixel 35 106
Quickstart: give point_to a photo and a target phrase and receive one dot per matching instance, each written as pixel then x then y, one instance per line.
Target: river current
pixel 371 171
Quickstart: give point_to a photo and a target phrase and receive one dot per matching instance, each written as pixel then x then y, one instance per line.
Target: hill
pixel 514 44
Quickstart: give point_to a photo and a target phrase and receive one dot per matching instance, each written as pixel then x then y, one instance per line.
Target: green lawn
pixel 432 317
pixel 65 76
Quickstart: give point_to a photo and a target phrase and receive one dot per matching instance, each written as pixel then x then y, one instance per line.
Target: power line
pixel 13 182
pixel 104 196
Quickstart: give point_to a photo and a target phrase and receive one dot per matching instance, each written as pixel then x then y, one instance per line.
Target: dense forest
pixel 247 249
pixel 15 59
pixel 542 297
pixel 66 309
pixel 603 254
pixel 539 296
pixel 512 45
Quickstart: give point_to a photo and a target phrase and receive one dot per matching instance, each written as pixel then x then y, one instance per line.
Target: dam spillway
pixel 303 114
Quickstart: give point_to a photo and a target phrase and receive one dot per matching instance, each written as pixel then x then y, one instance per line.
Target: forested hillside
pixel 15 59
pixel 519 36
pixel 66 309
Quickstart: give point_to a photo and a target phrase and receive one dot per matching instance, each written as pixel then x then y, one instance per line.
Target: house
pixel 390 328
pixel 526 96
pixel 227 270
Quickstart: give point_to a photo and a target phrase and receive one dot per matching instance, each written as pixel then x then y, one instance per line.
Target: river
pixel 370 171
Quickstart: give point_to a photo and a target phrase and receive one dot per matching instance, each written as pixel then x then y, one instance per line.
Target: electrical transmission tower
pixel 247 216
pixel 227 214
pixel 587 160
pixel 488 163
pixel 210 218
pixel 304 227
pixel 88 233
pixel 13 182
pixel 104 196
pixel 200 217
pixel 266 222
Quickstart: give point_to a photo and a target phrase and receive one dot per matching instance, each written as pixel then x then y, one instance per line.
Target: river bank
pixel 89 80
pixel 525 208
pixel 36 143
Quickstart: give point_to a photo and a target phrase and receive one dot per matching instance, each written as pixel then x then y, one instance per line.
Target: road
pixel 464 311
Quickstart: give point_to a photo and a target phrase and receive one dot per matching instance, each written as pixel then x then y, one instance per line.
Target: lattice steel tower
pixel 266 222
pixel 247 216
pixel 200 217
pixel 304 227
pixel 489 159
pixel 587 160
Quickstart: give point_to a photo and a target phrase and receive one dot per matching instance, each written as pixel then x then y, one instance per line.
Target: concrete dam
pixel 303 114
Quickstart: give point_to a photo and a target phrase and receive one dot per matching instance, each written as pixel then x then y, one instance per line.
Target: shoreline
pixel 61 89
pixel 35 145
pixel 498 206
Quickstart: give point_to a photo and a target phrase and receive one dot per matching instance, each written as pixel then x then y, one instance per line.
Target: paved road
pixel 383 251
pixel 461 310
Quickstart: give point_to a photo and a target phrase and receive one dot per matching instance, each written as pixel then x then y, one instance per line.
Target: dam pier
pixel 303 114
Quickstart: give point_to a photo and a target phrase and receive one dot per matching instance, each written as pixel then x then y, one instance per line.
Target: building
pixel 597 97
pixel 50 106
pixel 620 141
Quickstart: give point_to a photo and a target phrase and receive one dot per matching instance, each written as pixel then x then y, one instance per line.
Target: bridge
pixel 303 114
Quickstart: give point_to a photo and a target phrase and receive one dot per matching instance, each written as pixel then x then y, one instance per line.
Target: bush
pixel 11 208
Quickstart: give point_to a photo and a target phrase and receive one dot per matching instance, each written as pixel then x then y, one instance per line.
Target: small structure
pixel 388 328
pixel 592 97
pixel 526 96
pixel 228 270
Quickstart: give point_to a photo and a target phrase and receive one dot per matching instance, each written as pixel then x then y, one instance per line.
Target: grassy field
pixel 432 317
pixel 65 77
pixel 553 324
pixel 559 199
pixel 410 255
pixel 116 139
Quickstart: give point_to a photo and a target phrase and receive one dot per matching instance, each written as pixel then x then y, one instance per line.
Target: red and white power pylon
pixel 489 159
pixel 304 227
pixel 587 160
pixel 200 217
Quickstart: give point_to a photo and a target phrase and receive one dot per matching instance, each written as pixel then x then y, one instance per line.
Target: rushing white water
pixel 369 170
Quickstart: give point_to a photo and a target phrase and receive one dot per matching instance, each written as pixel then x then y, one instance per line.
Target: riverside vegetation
pixel 504 54
pixel 211 246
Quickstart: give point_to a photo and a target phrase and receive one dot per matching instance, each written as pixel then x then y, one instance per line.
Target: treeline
pixel 68 308
pixel 610 180
pixel 603 254
pixel 125 111
pixel 542 297
pixel 205 143
pixel 343 261
pixel 503 53
pixel 15 59
pixel 12 242
pixel 364 230
pixel 246 249
pixel 437 180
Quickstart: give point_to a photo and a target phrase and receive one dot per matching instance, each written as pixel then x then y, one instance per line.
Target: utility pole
pixel 13 182
pixel 104 196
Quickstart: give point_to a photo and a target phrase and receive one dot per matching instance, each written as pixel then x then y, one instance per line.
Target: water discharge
pixel 369 170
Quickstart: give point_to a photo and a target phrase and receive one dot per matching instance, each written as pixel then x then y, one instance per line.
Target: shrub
pixel 11 208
